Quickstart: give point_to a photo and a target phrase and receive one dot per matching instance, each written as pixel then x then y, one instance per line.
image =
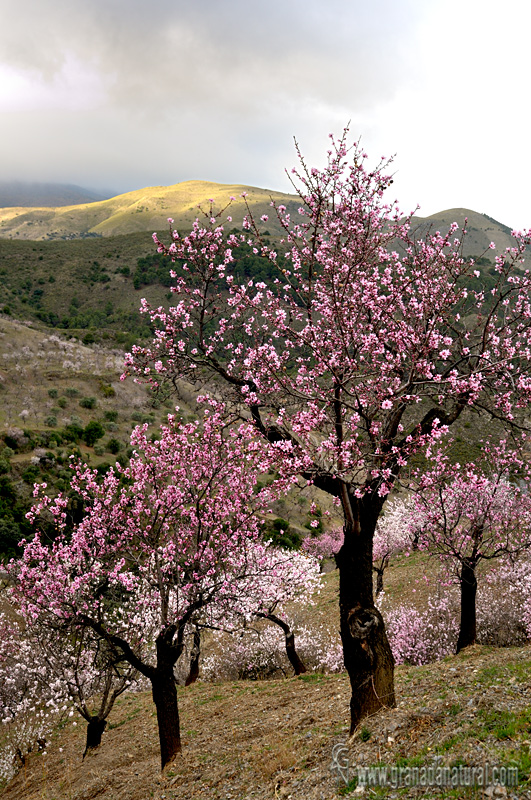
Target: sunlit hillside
pixel 140 210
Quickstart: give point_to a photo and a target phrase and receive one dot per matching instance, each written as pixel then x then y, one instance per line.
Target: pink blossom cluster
pixel 258 652
pixel 360 324
pixel 420 636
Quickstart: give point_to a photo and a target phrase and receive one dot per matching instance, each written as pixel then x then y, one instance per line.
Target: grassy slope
pixel 50 276
pixel 274 739
pixel 140 210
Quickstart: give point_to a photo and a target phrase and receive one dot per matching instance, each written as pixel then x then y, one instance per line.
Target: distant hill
pixel 142 210
pixel 20 194
pixel 147 210
pixel 481 230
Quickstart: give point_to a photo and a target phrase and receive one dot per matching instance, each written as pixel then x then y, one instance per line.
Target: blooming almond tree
pixel 32 701
pixel 50 665
pixel 286 577
pixel 279 578
pixel 475 513
pixel 392 536
pixel 366 347
pixel 159 541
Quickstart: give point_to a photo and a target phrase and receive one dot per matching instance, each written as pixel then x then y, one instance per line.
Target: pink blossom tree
pixel 161 540
pixel 472 514
pixel 279 579
pixel 49 666
pixel 290 577
pixel 392 536
pixel 367 346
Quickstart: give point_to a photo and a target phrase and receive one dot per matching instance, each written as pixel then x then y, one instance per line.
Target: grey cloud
pixel 227 52
pixel 204 89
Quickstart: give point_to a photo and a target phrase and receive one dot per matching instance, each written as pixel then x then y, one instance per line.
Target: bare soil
pixel 274 739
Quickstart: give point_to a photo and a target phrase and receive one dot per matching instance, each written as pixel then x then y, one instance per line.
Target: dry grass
pixel 274 739
pixel 140 210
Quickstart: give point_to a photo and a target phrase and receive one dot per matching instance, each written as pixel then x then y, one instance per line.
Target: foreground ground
pixel 274 739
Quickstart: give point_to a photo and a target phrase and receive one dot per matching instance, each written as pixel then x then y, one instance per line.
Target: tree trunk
pixel 469 585
pixel 379 579
pixel 367 653
pixel 95 729
pixel 289 638
pixel 194 659
pixel 164 692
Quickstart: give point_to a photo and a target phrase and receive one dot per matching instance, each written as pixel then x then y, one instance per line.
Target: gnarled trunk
pixel 367 653
pixel 96 726
pixel 469 584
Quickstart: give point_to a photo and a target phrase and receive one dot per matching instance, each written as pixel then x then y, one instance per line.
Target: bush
pixel 53 393
pixel 88 402
pixel 107 390
pixel 93 431
pixel 72 432
pixel 282 535
pixel 50 421
pixel 114 446
pixel 71 392
pixel 10 536
pixel 31 474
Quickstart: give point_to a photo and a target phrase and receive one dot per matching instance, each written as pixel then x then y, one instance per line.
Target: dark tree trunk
pixel 95 729
pixel 164 690
pixel 194 659
pixel 164 693
pixel 469 585
pixel 289 637
pixel 367 653
pixel 379 579
pixel 293 656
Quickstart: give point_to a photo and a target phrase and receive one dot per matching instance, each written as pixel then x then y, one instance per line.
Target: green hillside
pixel 141 210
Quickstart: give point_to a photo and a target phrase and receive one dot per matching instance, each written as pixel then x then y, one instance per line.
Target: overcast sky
pixel 118 95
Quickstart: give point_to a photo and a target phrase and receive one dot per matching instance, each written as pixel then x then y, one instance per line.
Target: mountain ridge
pixel 37 194
pixel 139 210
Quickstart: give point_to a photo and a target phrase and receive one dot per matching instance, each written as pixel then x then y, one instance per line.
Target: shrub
pixel 88 402
pixel 93 431
pixel 114 446
pixel 31 474
pixel 50 421
pixel 107 390
pixel 72 432
pixel 282 535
